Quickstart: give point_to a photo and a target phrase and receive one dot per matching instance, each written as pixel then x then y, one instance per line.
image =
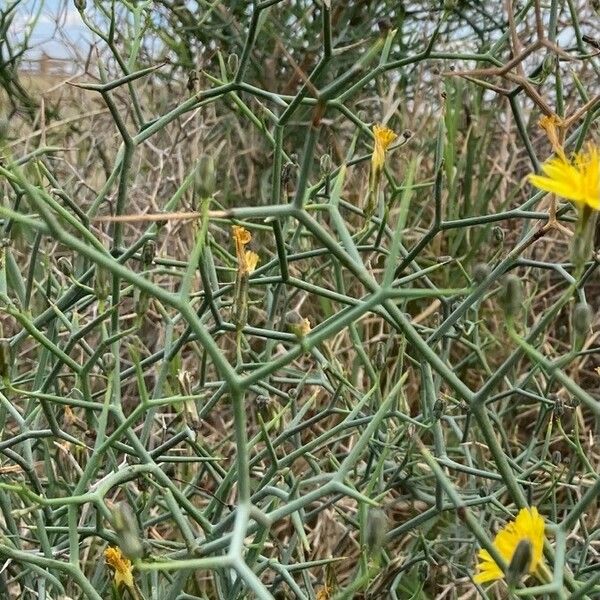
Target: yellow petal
pixel 251 260
pixel 383 139
pixel 577 180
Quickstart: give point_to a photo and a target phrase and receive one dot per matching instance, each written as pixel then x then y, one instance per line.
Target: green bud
pixel 65 266
pixel 326 165
pixel 4 127
pixel 288 173
pixel 102 282
pixel 142 302
pixel 582 319
pixel 376 529
pixel 126 528
pixel 380 357
pixel 108 362
pixel 498 234
pixel 206 177
pixel 549 64
pixel 80 5
pixel 519 564
pixel 233 63
pixel 559 408
pixel 148 252
pixel 511 295
pixel 480 272
pixel 438 409
pixel 192 81
pixel 263 403
pixel 5 357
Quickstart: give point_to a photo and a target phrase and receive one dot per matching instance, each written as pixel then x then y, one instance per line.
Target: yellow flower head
pixel 383 139
pixel 529 526
pixel 577 180
pixel 121 565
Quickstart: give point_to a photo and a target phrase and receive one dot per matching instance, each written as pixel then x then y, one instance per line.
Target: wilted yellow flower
pixel 242 238
pixel 324 593
pixel 577 180
pixel 304 327
pixel 247 260
pixel 250 261
pixel 383 139
pixel 529 527
pixel 121 566
pixel 550 125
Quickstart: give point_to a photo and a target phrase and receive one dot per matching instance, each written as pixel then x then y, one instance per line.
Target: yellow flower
pixel 121 565
pixel 529 526
pixel 577 180
pixel 383 139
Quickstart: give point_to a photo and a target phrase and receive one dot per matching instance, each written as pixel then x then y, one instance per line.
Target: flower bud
pixel 102 282
pixel 80 5
pixel 559 408
pixel 498 234
pixel 263 404
pixel 126 528
pixel 64 266
pixel 380 357
pixel 480 272
pixel 4 128
pixel 5 357
pixel 511 296
pixel 376 529
pixel 287 173
pixel 582 319
pixel 438 409
pixel 108 362
pixel 148 252
pixel 205 181
pixel 192 82
pixel 326 165
pixel 233 63
pixel 519 564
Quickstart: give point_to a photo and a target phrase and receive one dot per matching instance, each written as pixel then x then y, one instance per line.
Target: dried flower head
pixel 528 526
